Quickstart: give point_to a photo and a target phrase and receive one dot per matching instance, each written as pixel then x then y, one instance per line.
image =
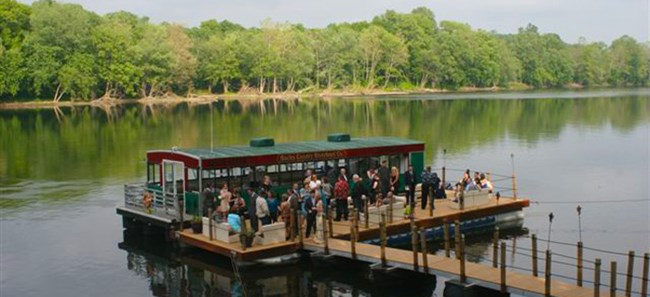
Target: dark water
pixel 62 171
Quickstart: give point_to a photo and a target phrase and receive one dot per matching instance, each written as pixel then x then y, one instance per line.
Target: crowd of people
pixel 315 195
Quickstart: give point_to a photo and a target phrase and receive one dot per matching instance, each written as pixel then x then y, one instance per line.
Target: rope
pixel 235 269
pixel 587 248
pixel 588 201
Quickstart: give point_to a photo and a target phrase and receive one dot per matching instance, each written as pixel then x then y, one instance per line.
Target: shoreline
pixel 205 99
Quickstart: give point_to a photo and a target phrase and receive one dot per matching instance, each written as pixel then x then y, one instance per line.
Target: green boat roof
pixel 295 147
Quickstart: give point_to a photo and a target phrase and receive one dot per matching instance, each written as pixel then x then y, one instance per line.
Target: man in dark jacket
pixel 409 186
pixel 358 190
pixel 384 177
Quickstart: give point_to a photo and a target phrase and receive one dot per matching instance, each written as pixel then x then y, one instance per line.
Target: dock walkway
pixel 480 274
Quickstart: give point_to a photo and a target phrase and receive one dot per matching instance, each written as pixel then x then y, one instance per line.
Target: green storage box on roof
pixel 338 137
pixel 262 142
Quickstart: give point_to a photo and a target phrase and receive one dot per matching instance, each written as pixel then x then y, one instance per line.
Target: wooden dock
pixel 235 250
pixel 480 274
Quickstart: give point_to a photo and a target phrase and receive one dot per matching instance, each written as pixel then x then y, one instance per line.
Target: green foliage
pixel 59 50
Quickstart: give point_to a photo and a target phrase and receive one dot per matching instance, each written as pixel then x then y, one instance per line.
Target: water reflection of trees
pixel 91 142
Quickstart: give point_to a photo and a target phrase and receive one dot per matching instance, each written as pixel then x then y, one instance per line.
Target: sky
pixel 595 20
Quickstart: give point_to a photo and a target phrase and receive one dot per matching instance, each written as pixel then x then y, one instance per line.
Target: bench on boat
pixel 272 233
pixel 472 199
pixel 220 231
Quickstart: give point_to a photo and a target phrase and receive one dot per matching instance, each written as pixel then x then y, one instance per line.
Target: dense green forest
pixel 62 51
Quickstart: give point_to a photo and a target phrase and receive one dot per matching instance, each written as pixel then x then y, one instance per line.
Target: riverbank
pixel 207 98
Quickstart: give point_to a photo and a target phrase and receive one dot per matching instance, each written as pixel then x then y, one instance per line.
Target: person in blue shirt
pixel 235 222
pixel 273 207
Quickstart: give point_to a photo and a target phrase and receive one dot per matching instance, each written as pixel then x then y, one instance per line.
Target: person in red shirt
pixel 341 192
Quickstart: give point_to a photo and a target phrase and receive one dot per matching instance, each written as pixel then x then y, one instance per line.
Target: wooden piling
pixel 382 238
pixel 330 224
pixel 457 238
pixel 365 214
pixel 534 244
pixel 495 247
pixel 463 276
pixel 446 231
pixel 292 225
pixel 597 278
pixel 579 265
pixel 644 278
pixel 210 223
pixel 181 211
pixel 390 212
pixel 430 202
pixel 612 279
pixel 242 238
pixel 356 225
pixel 444 176
pixel 504 287
pixel 425 251
pixel 547 274
pixel 300 239
pixel 353 237
pixel 630 272
pixel 326 248
pixel 414 246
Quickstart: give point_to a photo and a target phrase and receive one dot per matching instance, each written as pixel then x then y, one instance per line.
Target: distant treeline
pixel 60 51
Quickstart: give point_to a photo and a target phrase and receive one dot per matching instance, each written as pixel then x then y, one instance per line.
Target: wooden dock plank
pixel 225 249
pixel 482 274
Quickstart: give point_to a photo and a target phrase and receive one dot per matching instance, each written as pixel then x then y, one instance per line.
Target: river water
pixel 62 173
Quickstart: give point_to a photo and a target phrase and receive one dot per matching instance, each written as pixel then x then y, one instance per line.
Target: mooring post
pixel 644 278
pixel 534 244
pixel 457 238
pixel 300 239
pixel 390 212
pixel 423 242
pixel 444 176
pixel 547 274
pixel 495 247
pixel 430 200
pixel 597 278
pixel 579 265
pixel 292 225
pixel 353 237
pixel 514 186
pixel 330 224
pixel 326 248
pixel 630 271
pixel 181 213
pixel 446 231
pixel 242 237
pixel 612 279
pixel 414 245
pixel 366 214
pixel 382 238
pixel 504 288
pixel 356 226
pixel 463 277
pixel 210 223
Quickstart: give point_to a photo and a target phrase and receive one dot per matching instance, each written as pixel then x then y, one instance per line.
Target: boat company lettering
pixel 302 157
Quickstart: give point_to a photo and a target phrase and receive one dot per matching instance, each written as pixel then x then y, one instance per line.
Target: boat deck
pixel 341 229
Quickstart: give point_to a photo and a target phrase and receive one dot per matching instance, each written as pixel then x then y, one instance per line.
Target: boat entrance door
pixel 173 184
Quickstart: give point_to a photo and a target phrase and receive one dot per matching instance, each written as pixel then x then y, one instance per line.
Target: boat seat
pixel 473 199
pixel 220 231
pixel 272 233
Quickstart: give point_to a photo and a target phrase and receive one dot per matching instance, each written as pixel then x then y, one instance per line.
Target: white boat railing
pixel 163 204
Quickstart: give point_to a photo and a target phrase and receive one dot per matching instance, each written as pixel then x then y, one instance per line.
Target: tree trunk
pixel 58 93
pixel 225 86
pixel 275 85
pixel 261 86
pixel 423 81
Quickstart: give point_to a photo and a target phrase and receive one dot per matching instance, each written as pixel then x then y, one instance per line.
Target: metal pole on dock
pixel 210 223
pixel 414 245
pixel 430 200
pixel 181 212
pixel 423 242
pixel 446 231
pixel 457 238
pixel 353 236
pixel 330 224
pixel 534 244
pixel 504 288
pixel 495 247
pixel 630 271
pixel 579 265
pixel 597 278
pixel 463 276
pixel 547 274
pixel 444 176
pixel 382 238
pixel 326 248
pixel 612 279
pixel 514 178
pixel 644 279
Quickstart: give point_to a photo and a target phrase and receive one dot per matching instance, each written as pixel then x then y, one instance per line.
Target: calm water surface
pixel 62 174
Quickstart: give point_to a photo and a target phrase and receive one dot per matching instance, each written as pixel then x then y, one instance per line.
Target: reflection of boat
pixel 173 271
